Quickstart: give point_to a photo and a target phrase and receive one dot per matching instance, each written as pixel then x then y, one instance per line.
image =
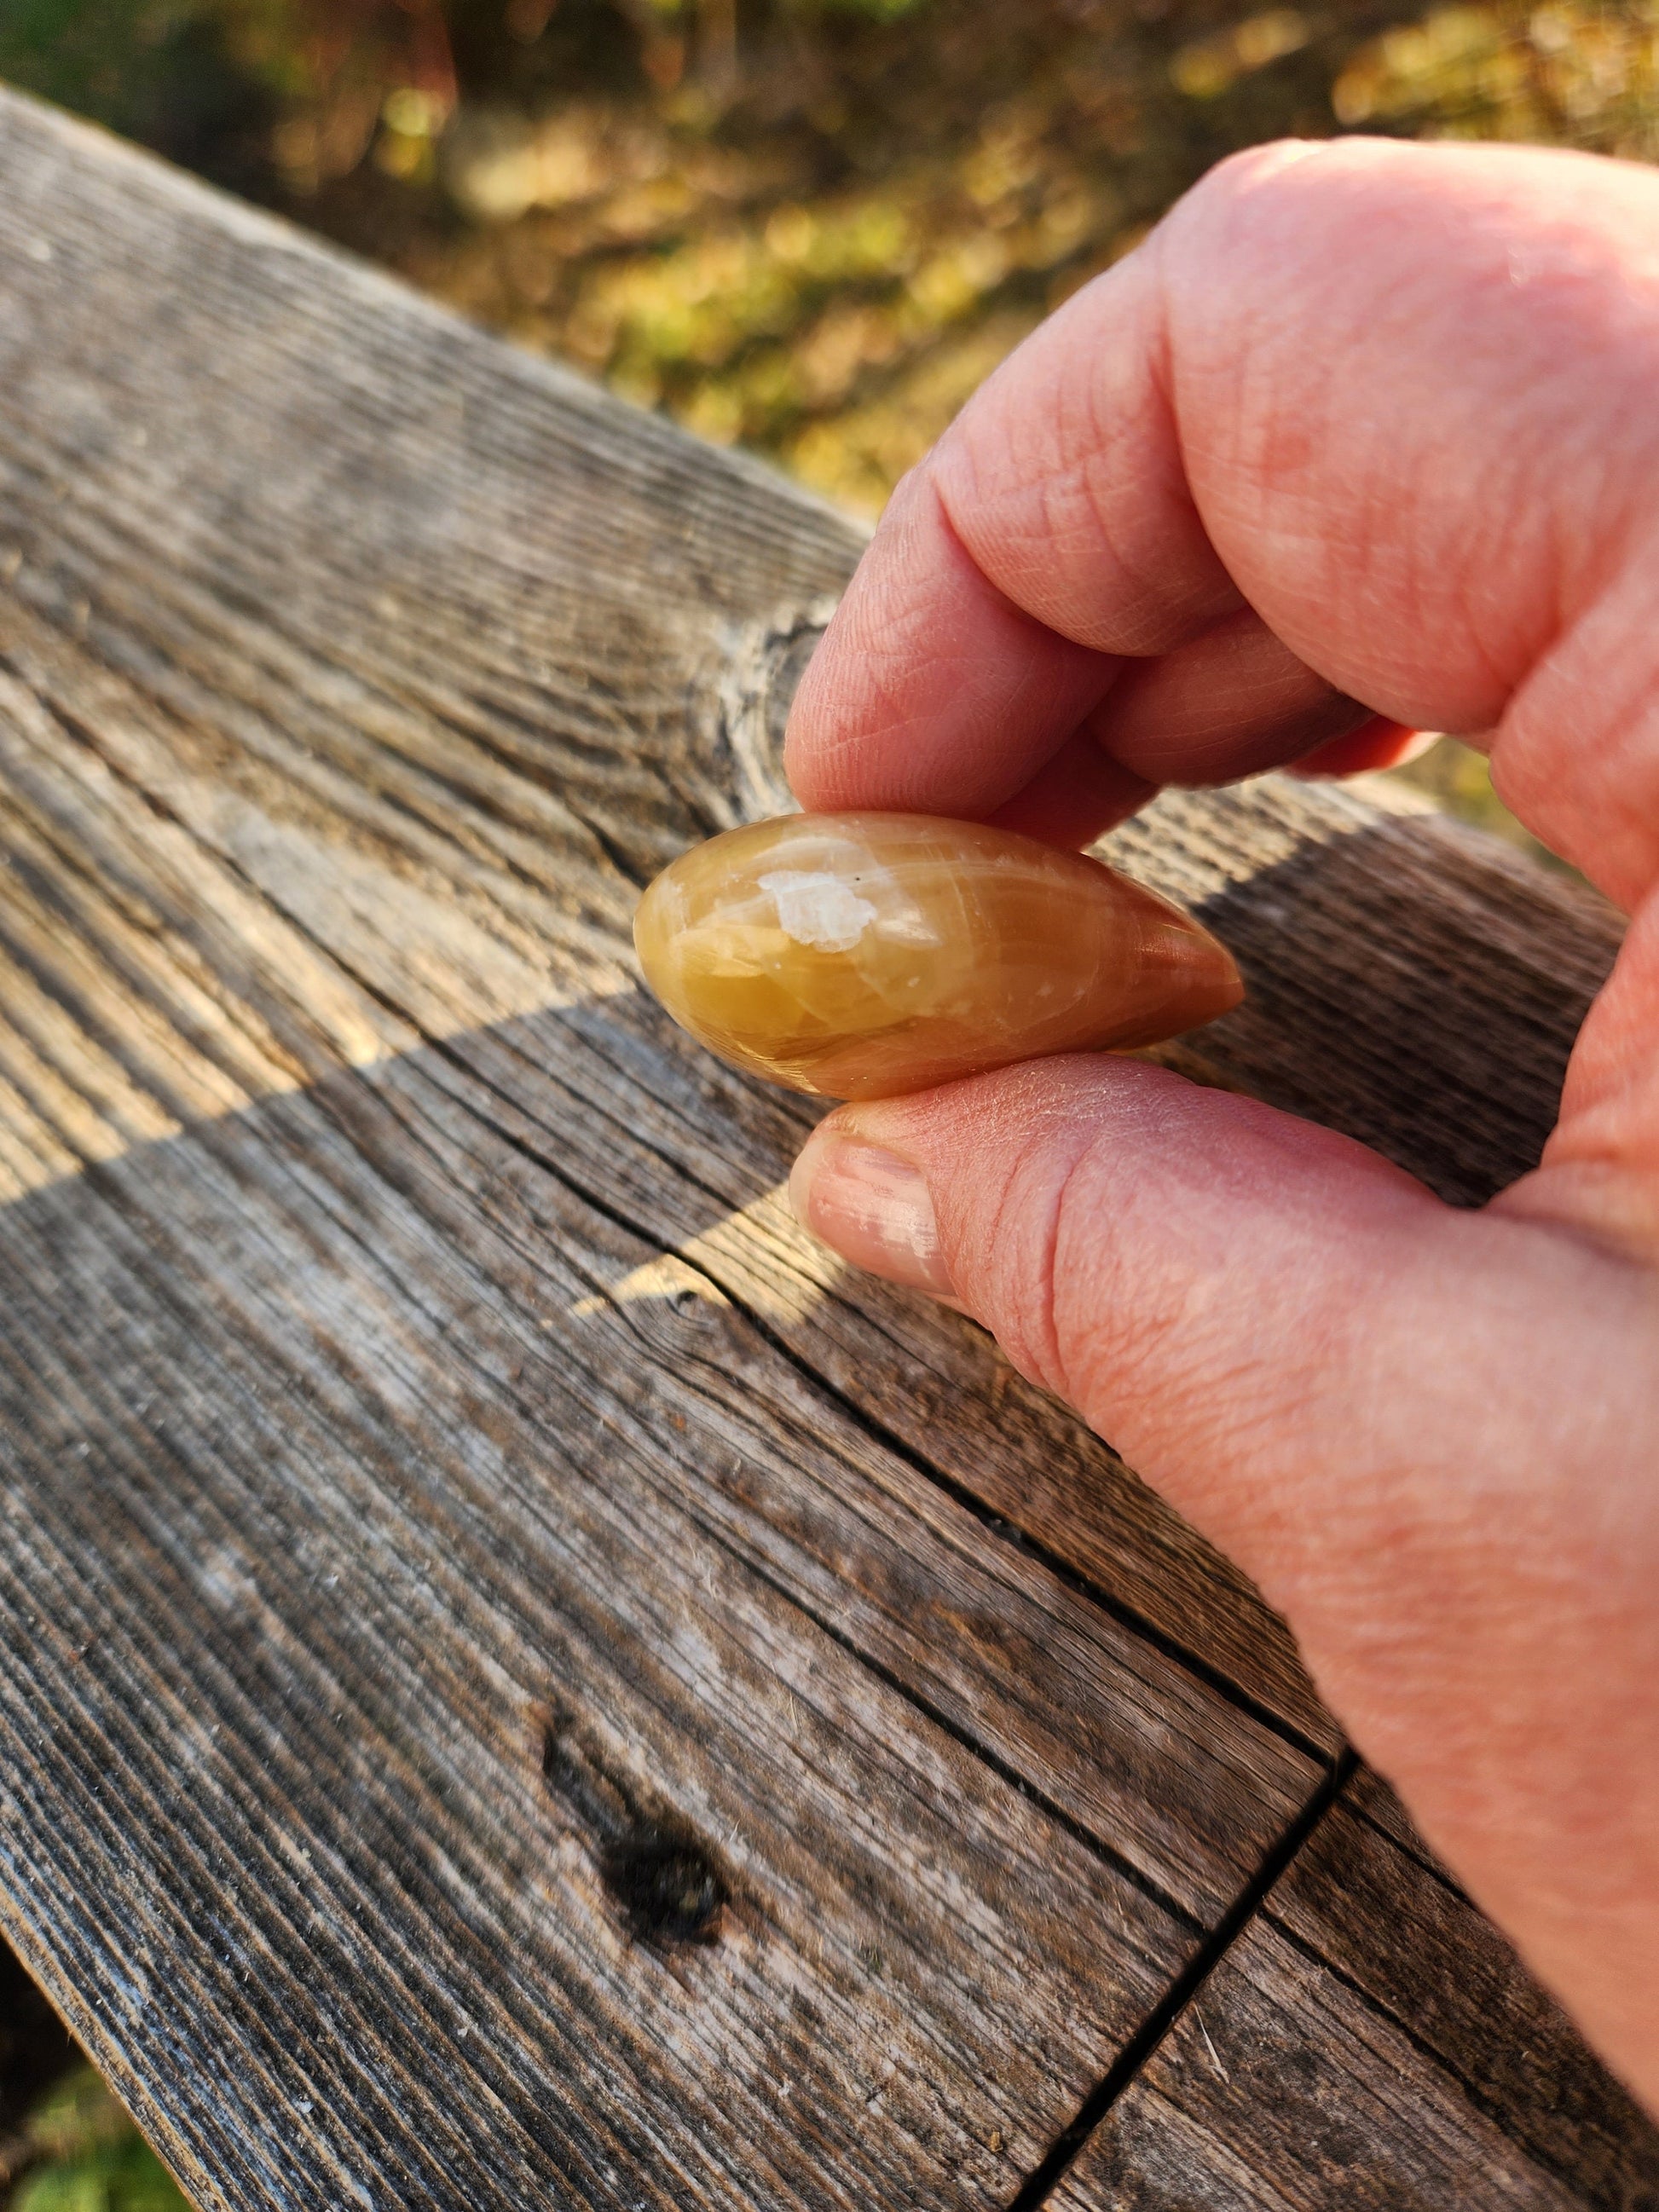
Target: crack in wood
pixel 1062 2154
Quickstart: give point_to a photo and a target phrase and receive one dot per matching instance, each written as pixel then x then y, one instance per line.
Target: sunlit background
pixel 809 227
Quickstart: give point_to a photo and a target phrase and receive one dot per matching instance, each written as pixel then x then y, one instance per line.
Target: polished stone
pixel 861 955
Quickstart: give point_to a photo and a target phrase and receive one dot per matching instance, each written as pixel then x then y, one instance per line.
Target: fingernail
pixel 872 1207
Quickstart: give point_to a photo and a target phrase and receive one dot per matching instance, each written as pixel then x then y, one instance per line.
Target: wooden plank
pixel 315 1563
pixel 553 706
pixel 484 639
pixel 1368 1985
pixel 441 1485
pixel 1403 1933
pixel 404 1554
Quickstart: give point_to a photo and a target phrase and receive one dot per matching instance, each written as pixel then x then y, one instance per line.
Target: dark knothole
pixel 670 1889
pixel 668 1883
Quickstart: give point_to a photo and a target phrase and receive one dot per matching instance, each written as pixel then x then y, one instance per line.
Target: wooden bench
pixel 522 1685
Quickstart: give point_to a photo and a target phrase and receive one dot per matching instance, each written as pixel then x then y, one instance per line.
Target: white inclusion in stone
pixel 817 909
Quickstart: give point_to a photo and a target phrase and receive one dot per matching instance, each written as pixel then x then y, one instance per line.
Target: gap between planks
pixel 1069 2145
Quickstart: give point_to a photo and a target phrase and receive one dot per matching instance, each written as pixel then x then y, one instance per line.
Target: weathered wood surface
pixel 1366 1986
pixel 519 1682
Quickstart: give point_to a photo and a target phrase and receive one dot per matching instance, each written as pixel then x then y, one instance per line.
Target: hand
pixel 1363 430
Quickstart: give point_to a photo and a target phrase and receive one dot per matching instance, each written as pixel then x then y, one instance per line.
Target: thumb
pixel 1192 1271
pixel 1426 1433
pixel 1241 1301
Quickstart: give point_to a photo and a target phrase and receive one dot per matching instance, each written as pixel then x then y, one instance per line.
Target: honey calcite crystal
pixel 862 955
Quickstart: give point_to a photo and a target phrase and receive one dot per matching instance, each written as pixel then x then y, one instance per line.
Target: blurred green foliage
pixel 811 226
pixel 184 75
pixel 82 2154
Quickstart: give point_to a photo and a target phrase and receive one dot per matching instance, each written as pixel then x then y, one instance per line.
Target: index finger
pixel 1375 417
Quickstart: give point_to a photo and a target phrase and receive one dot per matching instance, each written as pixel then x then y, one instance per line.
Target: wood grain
pixel 521 1682
pixel 1368 1983
pixel 378 1473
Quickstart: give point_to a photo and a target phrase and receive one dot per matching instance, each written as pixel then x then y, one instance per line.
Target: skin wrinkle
pixel 1616 755
pixel 1312 563
pixel 1114 1337
pixel 1046 1193
pixel 1032 1285
pixel 1077 794
pixel 1504 507
pixel 992 541
pixel 1053 1219
pixel 1192 717
pixel 1014 698
pixel 1599 1176
pixel 1106 670
pixel 1406 1510
pixel 1149 613
pixel 1189 1298
pixel 1614 1052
